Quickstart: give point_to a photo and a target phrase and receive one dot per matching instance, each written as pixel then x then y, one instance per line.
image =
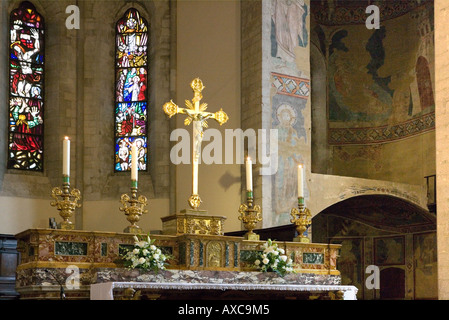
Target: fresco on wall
pixel 350 263
pixel 389 251
pixel 288 119
pixel 347 12
pixel 288 65
pixel 364 245
pixel 289 36
pixel 381 89
pixel 425 257
pixel 288 27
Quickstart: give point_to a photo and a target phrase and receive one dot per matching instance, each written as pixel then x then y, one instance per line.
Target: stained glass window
pixel 26 89
pixel 131 106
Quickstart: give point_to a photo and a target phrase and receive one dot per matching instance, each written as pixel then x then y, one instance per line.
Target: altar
pixel 204 263
pixel 86 265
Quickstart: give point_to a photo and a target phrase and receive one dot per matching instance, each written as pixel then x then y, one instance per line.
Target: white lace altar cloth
pixel 105 291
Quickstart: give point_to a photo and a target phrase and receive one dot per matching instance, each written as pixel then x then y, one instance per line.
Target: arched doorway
pixel 389 233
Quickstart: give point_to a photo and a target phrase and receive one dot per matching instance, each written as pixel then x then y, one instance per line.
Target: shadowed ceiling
pixel 384 212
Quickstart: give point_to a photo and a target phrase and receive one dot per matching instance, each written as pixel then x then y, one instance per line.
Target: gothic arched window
pixel 26 89
pixel 131 82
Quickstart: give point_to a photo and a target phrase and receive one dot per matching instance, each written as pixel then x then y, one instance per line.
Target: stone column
pixel 442 143
pixel 275 96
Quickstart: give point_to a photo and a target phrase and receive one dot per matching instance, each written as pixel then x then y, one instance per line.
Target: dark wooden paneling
pixel 9 259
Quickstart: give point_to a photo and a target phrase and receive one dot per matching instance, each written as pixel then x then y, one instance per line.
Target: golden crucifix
pixel 197 114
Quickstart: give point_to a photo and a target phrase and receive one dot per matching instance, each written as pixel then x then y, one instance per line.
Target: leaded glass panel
pixel 131 107
pixel 26 88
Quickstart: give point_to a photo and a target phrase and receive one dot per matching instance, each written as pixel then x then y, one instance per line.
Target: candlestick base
pixel 133 229
pixel 67 205
pixel 250 215
pixel 302 218
pixel 66 225
pixel 251 236
pixel 301 239
pixel 133 207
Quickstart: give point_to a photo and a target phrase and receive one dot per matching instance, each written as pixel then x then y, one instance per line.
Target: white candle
pixel 66 157
pixel 300 181
pixel 249 175
pixel 133 162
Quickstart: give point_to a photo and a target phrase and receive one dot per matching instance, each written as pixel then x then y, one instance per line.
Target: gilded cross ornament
pixel 198 116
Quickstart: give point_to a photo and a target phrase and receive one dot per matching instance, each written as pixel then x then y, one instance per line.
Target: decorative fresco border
pixel 290 85
pixel 353 12
pixel 342 136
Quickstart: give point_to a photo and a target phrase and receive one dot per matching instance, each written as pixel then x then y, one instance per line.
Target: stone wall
pixel 79 103
pixel 442 143
pixel 379 87
pixel 251 57
pixel 208 47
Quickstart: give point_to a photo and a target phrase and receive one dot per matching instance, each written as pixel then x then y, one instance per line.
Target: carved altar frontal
pixel 50 256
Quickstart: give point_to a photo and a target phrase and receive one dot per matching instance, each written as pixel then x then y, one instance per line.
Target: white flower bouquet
pixel 145 255
pixel 273 259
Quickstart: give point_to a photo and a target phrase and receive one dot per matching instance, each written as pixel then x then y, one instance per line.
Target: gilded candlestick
pixel 250 215
pixel 302 218
pixel 133 207
pixel 67 205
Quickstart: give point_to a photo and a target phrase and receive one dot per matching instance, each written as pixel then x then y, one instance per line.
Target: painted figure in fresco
pixel 424 83
pixel 286 178
pixel 347 263
pixel 288 17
